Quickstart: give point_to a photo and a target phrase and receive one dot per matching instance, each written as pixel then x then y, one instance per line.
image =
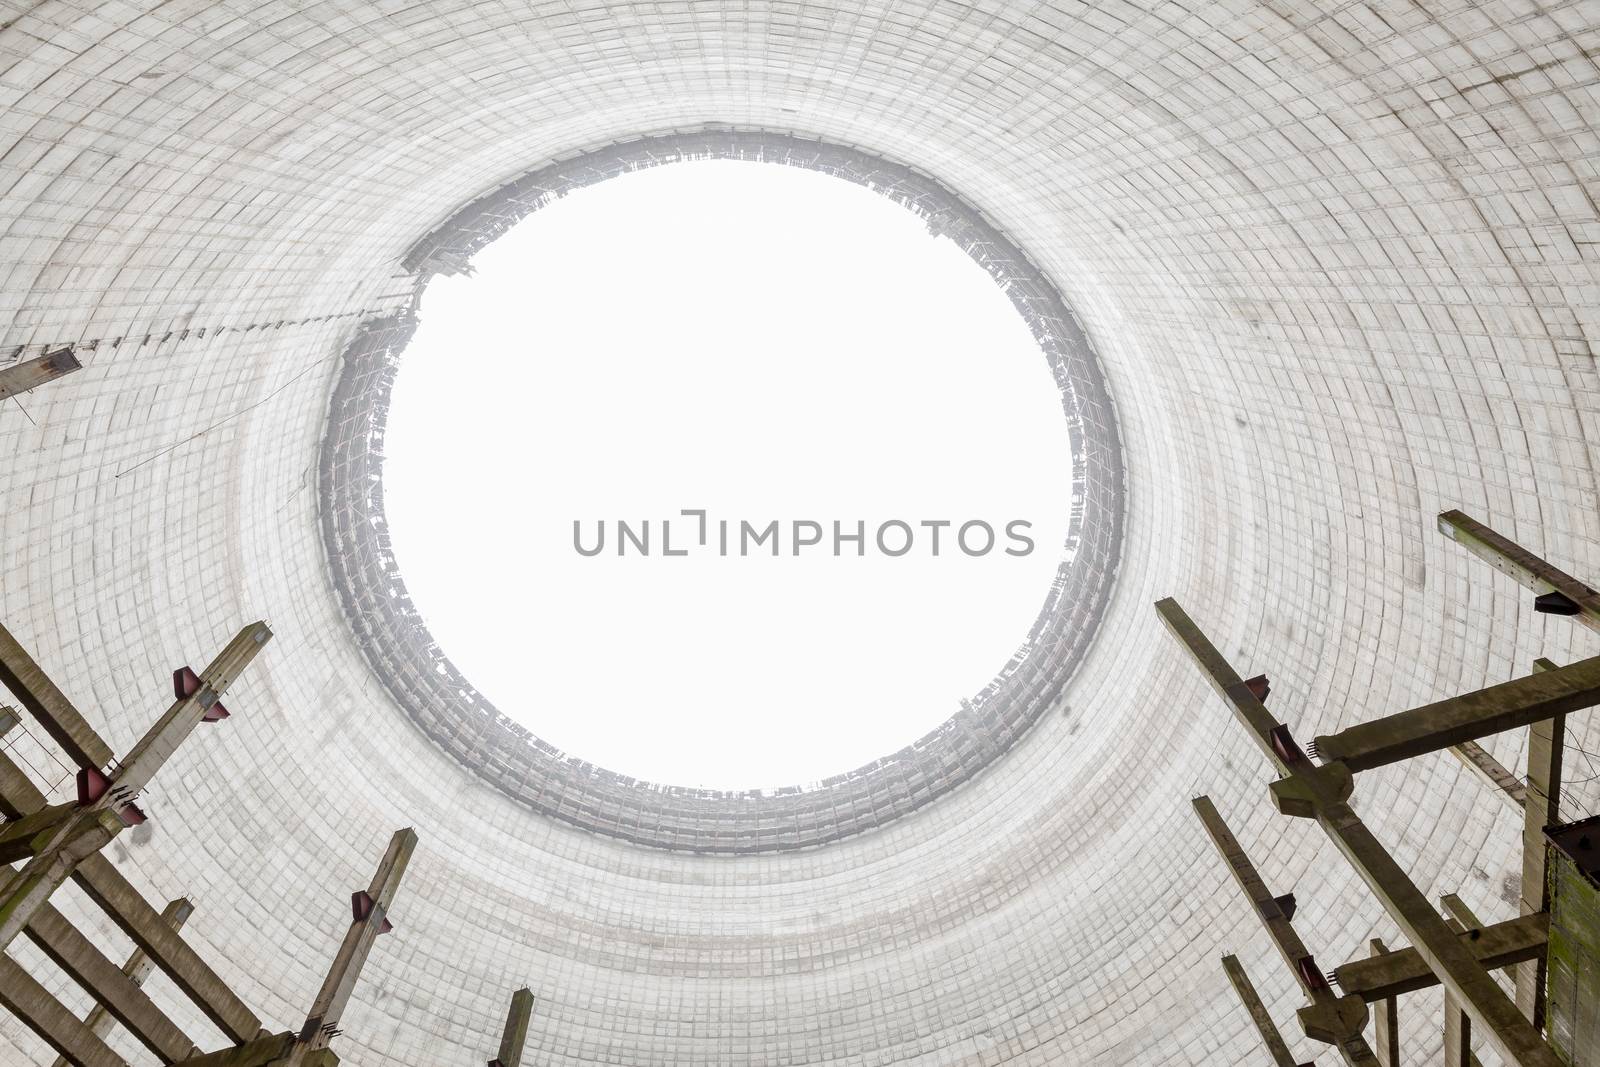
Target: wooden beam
pixel 29 374
pixel 1527 569
pixel 1270 1037
pixel 49 706
pixel 1389 975
pixel 1506 785
pixel 1507 706
pixel 515 1036
pixel 1322 793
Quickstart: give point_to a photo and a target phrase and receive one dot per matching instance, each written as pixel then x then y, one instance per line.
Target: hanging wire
pixel 1574 800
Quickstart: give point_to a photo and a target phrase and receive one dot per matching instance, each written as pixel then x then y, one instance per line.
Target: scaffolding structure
pixel 49 843
pixel 1452 949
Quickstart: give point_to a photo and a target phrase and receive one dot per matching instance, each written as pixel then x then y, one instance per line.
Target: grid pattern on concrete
pixel 1340 262
pixel 423 681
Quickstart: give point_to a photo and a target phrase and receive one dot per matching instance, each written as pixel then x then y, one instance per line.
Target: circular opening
pixel 441 701
pixel 764 344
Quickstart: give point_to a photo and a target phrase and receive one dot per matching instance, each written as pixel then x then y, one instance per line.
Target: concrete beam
pixel 126 907
pixel 162 740
pixel 112 990
pixel 1457 1023
pixel 1332 1019
pixel 1385 1021
pixel 268 1050
pixel 515 1037
pixel 138 967
pixel 1507 706
pixel 1523 566
pixel 134 916
pixel 19 837
pixel 370 919
pixel 1322 793
pixel 49 706
pixel 98 820
pixel 32 1004
pixel 29 374
pixel 1383 977
pixel 1546 745
pixel 1270 1037
pixel 1506 785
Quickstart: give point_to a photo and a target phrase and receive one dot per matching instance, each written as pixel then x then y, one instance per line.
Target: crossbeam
pixel 29 374
pixel 1322 794
pixel 1332 1019
pixel 268 1050
pixel 1480 761
pixel 127 908
pixel 138 968
pixel 18 836
pixel 1507 706
pixel 1527 569
pixel 515 1037
pixel 32 1004
pixel 99 818
pixel 49 705
pixel 370 918
pixel 114 992
pixel 1498 945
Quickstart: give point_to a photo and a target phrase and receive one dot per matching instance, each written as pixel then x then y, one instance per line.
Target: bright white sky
pixel 762 342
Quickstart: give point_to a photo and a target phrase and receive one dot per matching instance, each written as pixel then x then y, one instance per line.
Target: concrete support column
pixel 515 1037
pixel 1385 1022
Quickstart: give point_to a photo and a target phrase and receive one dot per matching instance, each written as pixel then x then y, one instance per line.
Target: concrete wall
pixel 1339 262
